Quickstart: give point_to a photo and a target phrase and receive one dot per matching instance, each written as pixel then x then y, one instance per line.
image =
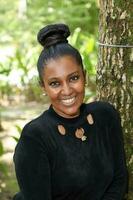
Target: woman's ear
pixel 44 91
pixel 42 88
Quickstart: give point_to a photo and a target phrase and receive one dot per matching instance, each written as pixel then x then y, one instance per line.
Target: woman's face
pixel 64 83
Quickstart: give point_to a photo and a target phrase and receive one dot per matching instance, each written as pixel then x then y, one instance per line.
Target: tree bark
pixel 115 67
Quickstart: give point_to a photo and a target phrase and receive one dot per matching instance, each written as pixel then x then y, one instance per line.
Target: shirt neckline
pixel 69 121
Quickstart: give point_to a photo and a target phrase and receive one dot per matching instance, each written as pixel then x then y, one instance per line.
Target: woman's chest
pixel 80 163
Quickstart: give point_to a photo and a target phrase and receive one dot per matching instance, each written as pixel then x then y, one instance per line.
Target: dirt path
pixel 11 117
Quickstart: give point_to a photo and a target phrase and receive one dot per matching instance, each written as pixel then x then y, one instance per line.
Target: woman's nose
pixel 66 89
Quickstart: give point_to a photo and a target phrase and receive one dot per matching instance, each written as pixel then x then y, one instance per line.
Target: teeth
pixel 68 101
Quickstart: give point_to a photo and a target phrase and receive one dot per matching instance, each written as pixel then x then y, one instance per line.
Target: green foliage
pixel 19 34
pixel 74 12
pixel 3 168
pixel 1 149
pixel 2 165
pixel 19 130
pixel 86 44
pixel 15 138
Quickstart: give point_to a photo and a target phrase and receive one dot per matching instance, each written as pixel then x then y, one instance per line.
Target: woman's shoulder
pixel 36 133
pixel 36 126
pixel 102 109
pixel 100 105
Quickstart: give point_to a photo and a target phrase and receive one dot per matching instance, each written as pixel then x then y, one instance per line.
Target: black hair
pixel 54 40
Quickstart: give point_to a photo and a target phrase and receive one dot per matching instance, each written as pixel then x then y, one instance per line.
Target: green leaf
pixel 19 129
pixel 3 168
pixel 15 138
pixel 1 149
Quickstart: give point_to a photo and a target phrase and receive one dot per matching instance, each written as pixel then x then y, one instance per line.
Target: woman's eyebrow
pixel 76 72
pixel 58 77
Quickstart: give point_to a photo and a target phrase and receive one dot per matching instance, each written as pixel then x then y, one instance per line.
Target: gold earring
pixel 44 94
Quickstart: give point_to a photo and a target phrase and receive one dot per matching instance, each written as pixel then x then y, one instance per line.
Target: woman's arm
pixel 117 188
pixel 32 169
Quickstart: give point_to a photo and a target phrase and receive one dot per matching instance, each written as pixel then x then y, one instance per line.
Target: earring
pixel 44 94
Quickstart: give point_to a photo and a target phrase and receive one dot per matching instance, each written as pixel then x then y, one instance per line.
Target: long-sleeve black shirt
pixel 52 166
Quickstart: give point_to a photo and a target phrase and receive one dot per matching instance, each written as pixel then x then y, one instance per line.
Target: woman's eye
pixel 74 78
pixel 54 84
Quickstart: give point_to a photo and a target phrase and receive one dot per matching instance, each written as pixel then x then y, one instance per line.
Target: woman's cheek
pixel 54 93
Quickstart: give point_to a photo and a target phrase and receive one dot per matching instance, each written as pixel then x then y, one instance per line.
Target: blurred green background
pixel 21 97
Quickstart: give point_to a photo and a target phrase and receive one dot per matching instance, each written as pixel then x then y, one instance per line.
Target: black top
pixel 52 166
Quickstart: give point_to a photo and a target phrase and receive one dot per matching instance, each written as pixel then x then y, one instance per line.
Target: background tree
pixel 115 68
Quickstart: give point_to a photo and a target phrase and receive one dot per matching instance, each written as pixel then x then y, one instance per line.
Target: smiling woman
pixel 73 150
pixel 64 83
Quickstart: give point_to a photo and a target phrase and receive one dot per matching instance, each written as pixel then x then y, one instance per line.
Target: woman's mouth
pixel 69 101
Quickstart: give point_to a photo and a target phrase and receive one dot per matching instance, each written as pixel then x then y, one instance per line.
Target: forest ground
pixel 12 116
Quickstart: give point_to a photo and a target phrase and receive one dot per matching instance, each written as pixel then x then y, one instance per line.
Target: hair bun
pixel 53 34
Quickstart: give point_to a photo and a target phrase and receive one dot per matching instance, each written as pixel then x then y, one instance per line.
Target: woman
pixel 73 151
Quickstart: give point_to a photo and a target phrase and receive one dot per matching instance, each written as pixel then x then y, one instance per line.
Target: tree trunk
pixel 115 67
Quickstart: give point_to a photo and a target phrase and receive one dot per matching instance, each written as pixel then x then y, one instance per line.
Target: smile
pixel 68 102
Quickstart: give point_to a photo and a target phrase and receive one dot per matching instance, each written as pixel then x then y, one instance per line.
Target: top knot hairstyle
pixel 53 38
pixel 53 34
